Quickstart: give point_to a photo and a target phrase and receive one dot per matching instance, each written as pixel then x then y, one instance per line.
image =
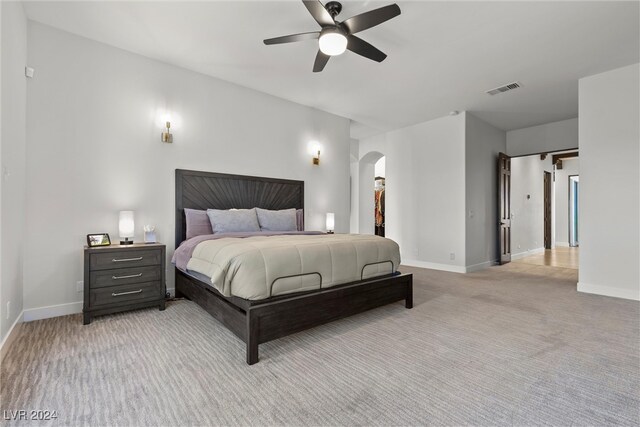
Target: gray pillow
pixel 284 220
pixel 300 219
pixel 197 223
pixel 233 220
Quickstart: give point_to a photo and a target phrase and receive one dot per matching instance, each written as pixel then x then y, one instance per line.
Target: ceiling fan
pixel 335 37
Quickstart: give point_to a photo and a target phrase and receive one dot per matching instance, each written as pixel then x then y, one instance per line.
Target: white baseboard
pixel 562 244
pixel 609 291
pixel 40 313
pixel 434 266
pixel 11 336
pixel 526 253
pixel 478 267
pixel 52 311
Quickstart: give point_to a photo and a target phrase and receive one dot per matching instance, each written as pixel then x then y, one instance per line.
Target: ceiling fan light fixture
pixel 332 42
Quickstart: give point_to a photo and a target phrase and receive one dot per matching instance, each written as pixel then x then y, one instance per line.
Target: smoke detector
pixel 504 88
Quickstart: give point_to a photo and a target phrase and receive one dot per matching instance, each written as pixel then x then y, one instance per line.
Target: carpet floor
pixel 510 345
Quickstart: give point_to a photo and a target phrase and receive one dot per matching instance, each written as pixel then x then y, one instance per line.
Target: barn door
pixel 504 201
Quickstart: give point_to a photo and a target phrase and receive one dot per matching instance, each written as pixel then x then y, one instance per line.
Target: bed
pixel 267 316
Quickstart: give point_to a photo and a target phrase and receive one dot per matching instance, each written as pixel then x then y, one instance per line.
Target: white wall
pixel 556 136
pixel 424 191
pixel 94 149
pixel 380 167
pixel 483 143
pixel 561 185
pixel 609 183
pixel 527 223
pixel 354 185
pixel 12 155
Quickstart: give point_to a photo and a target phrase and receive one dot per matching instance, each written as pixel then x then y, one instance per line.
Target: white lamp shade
pixel 126 225
pixel 331 221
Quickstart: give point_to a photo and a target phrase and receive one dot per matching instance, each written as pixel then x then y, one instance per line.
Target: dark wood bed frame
pixel 256 322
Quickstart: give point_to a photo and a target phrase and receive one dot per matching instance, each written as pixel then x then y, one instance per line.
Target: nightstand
pixel 123 277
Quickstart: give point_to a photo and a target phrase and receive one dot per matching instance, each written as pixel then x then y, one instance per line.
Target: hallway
pixel 564 257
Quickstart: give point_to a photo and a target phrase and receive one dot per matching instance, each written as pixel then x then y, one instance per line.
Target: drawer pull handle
pixel 126 277
pixel 139 291
pixel 127 259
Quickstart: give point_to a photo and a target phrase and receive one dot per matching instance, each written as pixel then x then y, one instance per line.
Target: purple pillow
pixel 197 223
pixel 300 219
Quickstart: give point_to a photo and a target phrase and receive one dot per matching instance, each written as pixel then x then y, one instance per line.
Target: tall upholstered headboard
pixel 209 190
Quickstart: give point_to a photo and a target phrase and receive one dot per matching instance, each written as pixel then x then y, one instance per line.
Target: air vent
pixel 505 88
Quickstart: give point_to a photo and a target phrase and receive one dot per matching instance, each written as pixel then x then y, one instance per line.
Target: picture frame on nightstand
pixel 95 240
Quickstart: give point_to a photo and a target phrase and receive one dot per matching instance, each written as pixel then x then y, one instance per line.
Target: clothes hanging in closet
pixel 379 211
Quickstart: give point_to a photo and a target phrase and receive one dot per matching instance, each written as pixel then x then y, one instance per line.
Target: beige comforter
pixel 262 266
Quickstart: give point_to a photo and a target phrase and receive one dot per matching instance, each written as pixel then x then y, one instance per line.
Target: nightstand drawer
pixel 133 293
pixel 125 276
pixel 125 259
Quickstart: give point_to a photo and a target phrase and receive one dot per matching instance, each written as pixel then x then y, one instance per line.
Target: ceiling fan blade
pixel 370 19
pixel 293 38
pixel 361 47
pixel 319 13
pixel 321 61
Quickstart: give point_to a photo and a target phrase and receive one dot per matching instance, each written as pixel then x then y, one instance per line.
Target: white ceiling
pixel 443 56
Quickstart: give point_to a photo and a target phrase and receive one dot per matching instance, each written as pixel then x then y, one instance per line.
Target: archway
pixel 366 191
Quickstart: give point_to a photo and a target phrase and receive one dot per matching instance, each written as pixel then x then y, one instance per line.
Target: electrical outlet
pixel 8 309
pixel 452 256
pixel 80 286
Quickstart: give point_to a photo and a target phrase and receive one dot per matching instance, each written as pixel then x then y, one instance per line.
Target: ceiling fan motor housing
pixel 334 8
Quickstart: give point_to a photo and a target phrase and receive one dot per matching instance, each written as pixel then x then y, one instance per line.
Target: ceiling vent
pixel 505 88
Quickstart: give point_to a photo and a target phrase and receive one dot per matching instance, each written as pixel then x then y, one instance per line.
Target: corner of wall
pixel 13 98
pixel 483 142
pixel 609 211
pixel 11 335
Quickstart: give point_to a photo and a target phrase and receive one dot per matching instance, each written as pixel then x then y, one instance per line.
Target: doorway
pixel 539 214
pixel 574 194
pixel 369 166
pixel 379 197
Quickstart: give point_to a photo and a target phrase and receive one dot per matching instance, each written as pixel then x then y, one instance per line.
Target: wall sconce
pixel 126 227
pixel 331 222
pixel 313 148
pixel 166 134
